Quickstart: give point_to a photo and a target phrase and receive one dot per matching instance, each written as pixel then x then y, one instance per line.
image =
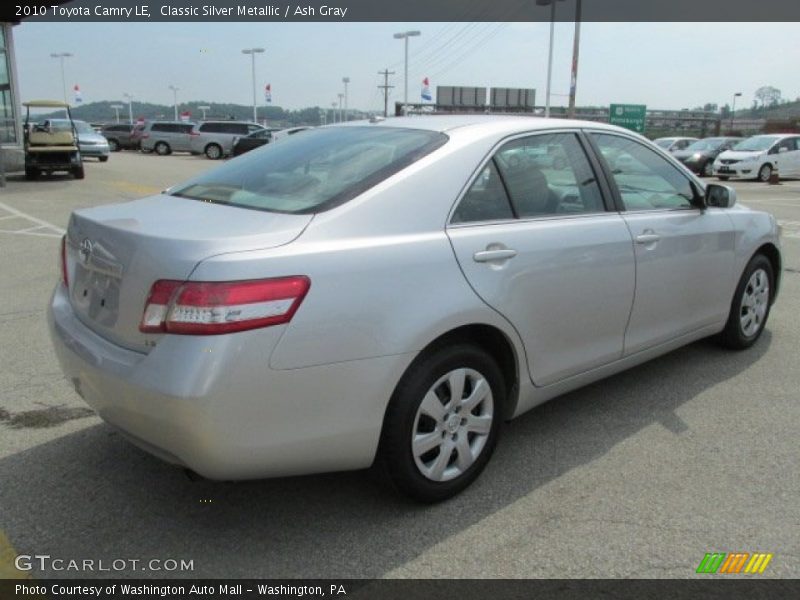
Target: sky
pixel 662 65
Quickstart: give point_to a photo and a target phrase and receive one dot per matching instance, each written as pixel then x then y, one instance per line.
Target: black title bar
pixel 400 10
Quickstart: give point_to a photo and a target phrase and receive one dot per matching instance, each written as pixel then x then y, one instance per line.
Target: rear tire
pixel 162 149
pixel 31 173
pixel 103 158
pixel 443 422
pixel 78 172
pixel 750 305
pixel 214 151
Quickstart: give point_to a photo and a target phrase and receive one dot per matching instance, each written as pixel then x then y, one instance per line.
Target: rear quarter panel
pixel 384 278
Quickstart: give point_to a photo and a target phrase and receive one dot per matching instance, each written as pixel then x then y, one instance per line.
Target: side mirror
pixel 720 196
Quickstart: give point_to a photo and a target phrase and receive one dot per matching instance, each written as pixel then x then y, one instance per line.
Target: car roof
pixel 227 121
pixel 480 123
pixel 45 104
pixel 776 136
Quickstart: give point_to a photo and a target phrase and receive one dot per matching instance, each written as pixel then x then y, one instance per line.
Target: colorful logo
pixel 734 563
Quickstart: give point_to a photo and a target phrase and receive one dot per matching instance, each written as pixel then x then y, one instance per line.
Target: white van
pixel 757 157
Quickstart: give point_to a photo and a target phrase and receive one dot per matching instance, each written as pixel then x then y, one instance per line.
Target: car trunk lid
pixel 115 253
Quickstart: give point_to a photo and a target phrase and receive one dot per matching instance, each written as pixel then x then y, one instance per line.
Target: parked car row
pixel 756 157
pixel 215 139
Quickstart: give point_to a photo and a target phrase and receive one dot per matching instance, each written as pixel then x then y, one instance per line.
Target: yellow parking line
pixel 136 188
pixel 7 556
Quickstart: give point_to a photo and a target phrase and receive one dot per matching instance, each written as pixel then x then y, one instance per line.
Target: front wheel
pixel 31 173
pixel 750 305
pixel 764 173
pixel 113 145
pixel 78 172
pixel 443 422
pixel 103 158
pixel 162 149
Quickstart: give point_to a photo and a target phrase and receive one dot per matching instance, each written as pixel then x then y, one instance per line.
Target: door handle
pixel 647 238
pixel 494 255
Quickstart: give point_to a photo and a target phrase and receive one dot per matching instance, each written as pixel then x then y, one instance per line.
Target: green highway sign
pixel 629 116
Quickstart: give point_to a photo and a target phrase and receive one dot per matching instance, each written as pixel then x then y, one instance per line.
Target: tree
pixel 710 107
pixel 768 95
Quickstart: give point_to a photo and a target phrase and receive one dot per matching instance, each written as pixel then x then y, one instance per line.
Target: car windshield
pixel 312 172
pixel 756 144
pixel 664 142
pixel 64 125
pixel 707 144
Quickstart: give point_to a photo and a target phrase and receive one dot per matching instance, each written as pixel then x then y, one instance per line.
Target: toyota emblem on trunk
pixel 86 250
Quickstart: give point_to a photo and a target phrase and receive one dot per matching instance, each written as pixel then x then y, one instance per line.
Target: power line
pixel 385 87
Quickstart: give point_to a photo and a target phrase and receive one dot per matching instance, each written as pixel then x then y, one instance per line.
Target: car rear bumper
pixel 194 401
pixel 96 150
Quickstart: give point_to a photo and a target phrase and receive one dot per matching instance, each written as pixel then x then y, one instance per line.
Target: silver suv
pixel 215 138
pixel 166 137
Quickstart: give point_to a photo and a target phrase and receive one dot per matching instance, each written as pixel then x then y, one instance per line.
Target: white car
pixel 757 157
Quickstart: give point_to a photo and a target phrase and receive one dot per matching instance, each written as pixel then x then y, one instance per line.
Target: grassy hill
pixel 101 112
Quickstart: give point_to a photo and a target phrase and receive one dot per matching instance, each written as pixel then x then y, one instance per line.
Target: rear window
pixel 224 128
pixel 313 172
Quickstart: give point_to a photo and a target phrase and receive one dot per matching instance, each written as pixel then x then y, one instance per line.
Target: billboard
pixel 447 95
pixel 513 98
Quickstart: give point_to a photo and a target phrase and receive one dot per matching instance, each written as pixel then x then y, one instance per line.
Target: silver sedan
pixel 390 292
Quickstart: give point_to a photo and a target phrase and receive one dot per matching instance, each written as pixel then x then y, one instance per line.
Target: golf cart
pixel 49 146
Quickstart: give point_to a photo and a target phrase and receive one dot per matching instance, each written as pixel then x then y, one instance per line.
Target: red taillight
pixel 207 308
pixel 155 309
pixel 64 274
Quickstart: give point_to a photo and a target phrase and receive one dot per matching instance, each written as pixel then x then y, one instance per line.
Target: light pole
pixel 552 5
pixel 117 108
pixel 252 52
pixel 175 89
pixel 404 36
pixel 61 56
pixel 333 112
pixel 204 109
pixel 733 110
pixel 129 98
pixel 341 114
pixel 345 81
pixel 576 46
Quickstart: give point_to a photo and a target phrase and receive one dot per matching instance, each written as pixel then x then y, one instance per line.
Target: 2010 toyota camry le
pixel 390 292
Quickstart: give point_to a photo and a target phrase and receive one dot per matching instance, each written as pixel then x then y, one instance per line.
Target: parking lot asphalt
pixel 638 475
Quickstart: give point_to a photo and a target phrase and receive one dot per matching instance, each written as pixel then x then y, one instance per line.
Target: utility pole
pixel 385 87
pixel 576 45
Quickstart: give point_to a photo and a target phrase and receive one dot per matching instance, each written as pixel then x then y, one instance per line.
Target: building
pixel 10 117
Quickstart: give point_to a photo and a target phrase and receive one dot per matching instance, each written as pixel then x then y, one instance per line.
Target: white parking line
pixel 790 229
pixel 39 228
